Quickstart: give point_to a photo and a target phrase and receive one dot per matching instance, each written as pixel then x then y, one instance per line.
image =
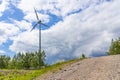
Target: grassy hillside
pixel 31 74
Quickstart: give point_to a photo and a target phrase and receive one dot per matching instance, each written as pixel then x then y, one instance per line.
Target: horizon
pixel 75 27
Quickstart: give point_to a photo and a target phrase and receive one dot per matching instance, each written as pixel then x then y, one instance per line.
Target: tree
pixel 114 47
pixel 26 61
pixel 4 61
pixel 33 62
pixel 17 61
pixel 23 61
pixel 83 56
pixel 40 56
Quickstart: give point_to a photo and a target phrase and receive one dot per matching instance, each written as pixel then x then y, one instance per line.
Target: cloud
pixel 87 31
pixel 2 52
pixel 7 30
pixel 32 17
pixel 29 10
pixel 68 38
pixel 3 6
pixel 22 25
pixel 58 7
pixel 26 41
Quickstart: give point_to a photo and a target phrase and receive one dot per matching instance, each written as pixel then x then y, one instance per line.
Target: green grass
pixel 31 74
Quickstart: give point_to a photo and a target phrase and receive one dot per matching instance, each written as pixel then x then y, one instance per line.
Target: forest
pixel 28 60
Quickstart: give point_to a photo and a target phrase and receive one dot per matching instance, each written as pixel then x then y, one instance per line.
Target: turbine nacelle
pixel 39 22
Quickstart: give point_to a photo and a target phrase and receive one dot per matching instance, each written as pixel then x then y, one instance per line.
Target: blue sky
pixel 75 27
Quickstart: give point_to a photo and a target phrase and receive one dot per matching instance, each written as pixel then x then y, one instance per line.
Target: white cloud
pixel 3 6
pixel 88 31
pixel 57 7
pixel 7 30
pixel 26 41
pixel 29 10
pixel 32 17
pixel 22 25
pixel 2 52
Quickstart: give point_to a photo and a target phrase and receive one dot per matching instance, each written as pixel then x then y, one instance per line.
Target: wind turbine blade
pixel 34 26
pixel 44 24
pixel 36 14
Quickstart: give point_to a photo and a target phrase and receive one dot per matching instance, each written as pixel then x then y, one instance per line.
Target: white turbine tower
pixel 38 23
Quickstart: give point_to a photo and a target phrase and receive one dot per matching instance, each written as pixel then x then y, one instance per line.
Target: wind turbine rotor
pixel 44 25
pixel 36 14
pixel 34 26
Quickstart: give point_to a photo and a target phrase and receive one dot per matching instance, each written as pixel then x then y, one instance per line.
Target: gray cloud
pixel 1 32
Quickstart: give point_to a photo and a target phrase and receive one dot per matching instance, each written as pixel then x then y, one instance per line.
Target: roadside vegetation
pixel 23 61
pixel 23 66
pixel 114 47
pixel 20 74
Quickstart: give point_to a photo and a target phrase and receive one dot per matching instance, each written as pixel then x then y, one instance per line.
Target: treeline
pixel 26 60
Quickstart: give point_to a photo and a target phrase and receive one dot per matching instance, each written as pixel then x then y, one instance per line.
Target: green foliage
pixel 83 56
pixel 13 74
pixel 114 47
pixel 16 74
pixel 23 61
pixel 4 61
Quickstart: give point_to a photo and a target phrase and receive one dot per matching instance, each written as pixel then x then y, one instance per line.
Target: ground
pixel 99 68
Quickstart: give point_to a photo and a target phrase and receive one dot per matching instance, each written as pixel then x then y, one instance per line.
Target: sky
pixel 75 27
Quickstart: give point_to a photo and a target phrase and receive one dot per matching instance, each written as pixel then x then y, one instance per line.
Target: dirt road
pixel 100 68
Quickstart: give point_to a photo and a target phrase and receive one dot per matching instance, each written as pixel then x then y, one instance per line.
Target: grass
pixel 31 74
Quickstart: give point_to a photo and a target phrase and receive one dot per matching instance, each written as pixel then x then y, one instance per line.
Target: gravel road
pixel 100 68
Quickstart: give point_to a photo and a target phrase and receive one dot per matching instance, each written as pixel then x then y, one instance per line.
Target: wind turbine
pixel 39 23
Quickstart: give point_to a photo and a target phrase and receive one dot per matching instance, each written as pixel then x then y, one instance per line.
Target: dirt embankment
pixel 100 68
